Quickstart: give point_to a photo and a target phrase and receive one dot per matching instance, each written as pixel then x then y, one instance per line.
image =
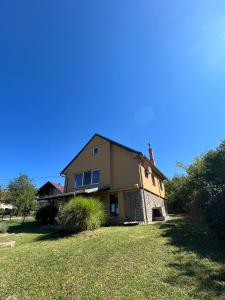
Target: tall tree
pixel 23 194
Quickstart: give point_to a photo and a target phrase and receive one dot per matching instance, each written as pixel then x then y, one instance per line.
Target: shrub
pixel 7 212
pixel 81 214
pixel 47 214
pixel 3 228
pixel 2 213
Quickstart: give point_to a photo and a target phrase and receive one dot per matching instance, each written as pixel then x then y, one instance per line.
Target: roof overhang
pixel 147 162
pixel 76 192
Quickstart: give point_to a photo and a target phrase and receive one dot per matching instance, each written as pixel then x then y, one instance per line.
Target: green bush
pixel 3 228
pixel 47 214
pixel 81 214
pixel 2 212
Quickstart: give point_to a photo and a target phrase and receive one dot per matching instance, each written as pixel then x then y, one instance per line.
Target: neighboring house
pixel 5 206
pixel 48 190
pixel 125 180
pixel 5 199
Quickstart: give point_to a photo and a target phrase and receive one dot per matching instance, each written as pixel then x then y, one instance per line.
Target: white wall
pixel 4 206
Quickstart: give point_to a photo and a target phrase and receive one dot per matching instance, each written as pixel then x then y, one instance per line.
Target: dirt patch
pixel 9 244
pixel 5 234
pixel 87 234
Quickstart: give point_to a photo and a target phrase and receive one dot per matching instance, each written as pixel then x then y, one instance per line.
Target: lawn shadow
pixel 48 232
pixel 192 236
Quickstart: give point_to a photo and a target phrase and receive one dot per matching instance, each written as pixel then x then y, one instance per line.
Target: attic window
pixel 95 151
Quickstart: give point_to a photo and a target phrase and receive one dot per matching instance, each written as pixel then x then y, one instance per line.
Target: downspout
pixel 65 181
pixel 146 215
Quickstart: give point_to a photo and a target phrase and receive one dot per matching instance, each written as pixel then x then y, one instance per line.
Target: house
pixel 48 190
pixel 6 206
pixel 127 182
pixel 5 200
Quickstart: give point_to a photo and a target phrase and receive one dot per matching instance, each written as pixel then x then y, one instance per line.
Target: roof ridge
pixel 119 144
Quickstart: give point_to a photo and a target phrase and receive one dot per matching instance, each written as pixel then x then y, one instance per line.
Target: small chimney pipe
pixel 151 156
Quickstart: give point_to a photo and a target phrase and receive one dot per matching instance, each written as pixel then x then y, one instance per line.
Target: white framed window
pixel 87 178
pixel 95 151
pixel 161 185
pixel 78 180
pixel 95 176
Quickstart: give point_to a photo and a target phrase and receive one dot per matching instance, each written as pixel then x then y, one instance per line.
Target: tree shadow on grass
pixel 48 232
pixel 192 237
pixel 44 232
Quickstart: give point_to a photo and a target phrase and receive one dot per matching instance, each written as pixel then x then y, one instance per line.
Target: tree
pixel 23 193
pixel 202 188
pixel 178 194
pixel 5 195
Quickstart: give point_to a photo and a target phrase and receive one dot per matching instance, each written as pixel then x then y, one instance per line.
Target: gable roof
pixel 55 185
pixel 107 139
pixel 122 146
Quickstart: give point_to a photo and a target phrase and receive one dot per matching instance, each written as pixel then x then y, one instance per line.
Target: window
pixel 79 180
pixel 95 176
pixel 114 205
pixel 161 184
pixel 87 178
pixel 95 151
pixel 153 179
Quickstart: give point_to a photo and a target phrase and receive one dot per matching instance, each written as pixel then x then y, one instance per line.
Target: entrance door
pixel 113 205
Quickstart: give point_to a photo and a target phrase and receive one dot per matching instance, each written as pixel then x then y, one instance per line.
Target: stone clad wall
pixel 138 203
pixel 153 201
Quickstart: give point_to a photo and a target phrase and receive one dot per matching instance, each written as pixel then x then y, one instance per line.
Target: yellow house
pixel 127 182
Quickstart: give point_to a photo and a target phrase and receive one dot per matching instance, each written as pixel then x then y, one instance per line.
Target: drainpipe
pixel 146 215
pixel 65 182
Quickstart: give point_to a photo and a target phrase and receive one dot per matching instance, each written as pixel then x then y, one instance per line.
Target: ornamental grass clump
pixel 81 214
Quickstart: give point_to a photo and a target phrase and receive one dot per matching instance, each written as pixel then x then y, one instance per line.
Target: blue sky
pixel 69 69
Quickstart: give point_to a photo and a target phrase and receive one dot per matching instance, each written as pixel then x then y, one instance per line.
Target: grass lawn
pixel 141 262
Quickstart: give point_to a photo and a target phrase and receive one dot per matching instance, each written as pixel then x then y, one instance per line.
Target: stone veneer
pixel 140 203
pixel 153 201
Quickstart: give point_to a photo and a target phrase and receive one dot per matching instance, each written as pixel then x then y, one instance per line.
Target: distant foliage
pixel 178 195
pixel 47 214
pixel 23 193
pixel 81 214
pixel 202 189
pixel 2 213
pixel 3 228
pixel 5 195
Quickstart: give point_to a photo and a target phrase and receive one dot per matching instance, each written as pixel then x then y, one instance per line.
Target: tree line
pixel 200 191
pixel 21 193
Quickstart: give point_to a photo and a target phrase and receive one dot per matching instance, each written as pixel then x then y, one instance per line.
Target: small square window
pixel 95 151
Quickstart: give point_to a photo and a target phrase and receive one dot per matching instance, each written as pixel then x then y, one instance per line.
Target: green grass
pixel 141 262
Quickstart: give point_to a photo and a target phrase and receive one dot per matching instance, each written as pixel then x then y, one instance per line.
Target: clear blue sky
pixel 69 69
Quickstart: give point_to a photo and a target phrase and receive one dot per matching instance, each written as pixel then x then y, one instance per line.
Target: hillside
pixel 141 262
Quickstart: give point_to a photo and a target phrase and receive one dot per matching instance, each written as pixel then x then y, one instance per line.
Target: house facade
pixel 128 183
